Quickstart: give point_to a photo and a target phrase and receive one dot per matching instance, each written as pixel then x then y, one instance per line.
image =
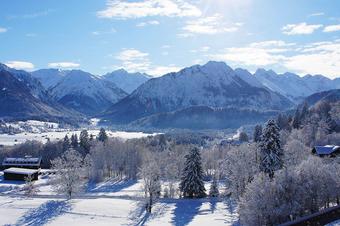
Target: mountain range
pixel 23 97
pixel 200 96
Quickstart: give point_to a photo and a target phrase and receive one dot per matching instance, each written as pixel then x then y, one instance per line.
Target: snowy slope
pixel 49 77
pixel 85 92
pixel 214 84
pixel 294 86
pixel 33 84
pixel 125 80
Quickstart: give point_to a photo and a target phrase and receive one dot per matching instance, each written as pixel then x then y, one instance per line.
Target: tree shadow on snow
pixel 213 204
pixel 186 210
pixel 44 213
pixel 110 186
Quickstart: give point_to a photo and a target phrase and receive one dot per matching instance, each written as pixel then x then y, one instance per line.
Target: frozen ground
pixel 6 139
pixel 109 203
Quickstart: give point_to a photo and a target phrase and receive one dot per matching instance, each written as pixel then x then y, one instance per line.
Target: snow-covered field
pixel 6 139
pixel 108 203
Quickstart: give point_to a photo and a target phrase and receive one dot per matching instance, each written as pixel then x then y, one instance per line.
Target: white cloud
pixel 210 25
pixel 300 29
pixel 137 9
pixel 256 54
pixel 63 65
pixel 3 30
pixel 332 28
pixel 314 58
pixel 162 70
pixel 131 55
pixel 20 65
pixel 134 60
pixel 317 58
pixel 150 22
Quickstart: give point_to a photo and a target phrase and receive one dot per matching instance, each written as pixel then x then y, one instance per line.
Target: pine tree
pixel 192 184
pixel 66 143
pixel 243 137
pixel 271 153
pixel 74 141
pixel 102 136
pixel 84 141
pixel 214 192
pixel 257 133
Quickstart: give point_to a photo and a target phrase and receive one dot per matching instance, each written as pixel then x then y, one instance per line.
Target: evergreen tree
pixel 296 120
pixel 84 140
pixel 74 141
pixel 214 192
pixel 257 133
pixel 243 137
pixel 271 153
pixel 66 143
pixel 192 184
pixel 102 136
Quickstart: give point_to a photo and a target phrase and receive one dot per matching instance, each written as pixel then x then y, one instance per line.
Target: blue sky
pixel 160 36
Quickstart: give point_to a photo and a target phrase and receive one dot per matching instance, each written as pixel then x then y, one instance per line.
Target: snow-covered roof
pixel 20 171
pixel 26 161
pixel 326 150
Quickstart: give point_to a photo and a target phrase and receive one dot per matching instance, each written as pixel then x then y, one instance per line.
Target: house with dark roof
pixel 27 162
pixel 328 150
pixel 20 174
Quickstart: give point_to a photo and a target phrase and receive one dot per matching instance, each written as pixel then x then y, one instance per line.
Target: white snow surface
pixel 6 139
pixel 112 202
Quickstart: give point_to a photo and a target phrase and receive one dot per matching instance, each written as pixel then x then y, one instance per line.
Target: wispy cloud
pixel 31 15
pixel 332 28
pixel 209 25
pixel 316 14
pixel 134 60
pixel 63 65
pixel 3 30
pixel 119 9
pixel 20 65
pixel 111 31
pixel 146 23
pixel 202 49
pixel 300 29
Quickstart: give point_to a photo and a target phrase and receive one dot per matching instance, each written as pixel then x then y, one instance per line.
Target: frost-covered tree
pixel 150 174
pixel 29 187
pixel 257 133
pixel 271 153
pixel 70 173
pixel 213 191
pixel 192 184
pixel 102 136
pixel 239 168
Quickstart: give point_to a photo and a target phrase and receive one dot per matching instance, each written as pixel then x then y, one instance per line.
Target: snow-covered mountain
pixel 85 92
pixel 214 84
pixel 17 100
pixel 34 85
pixel 125 80
pixel 49 77
pixel 294 86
